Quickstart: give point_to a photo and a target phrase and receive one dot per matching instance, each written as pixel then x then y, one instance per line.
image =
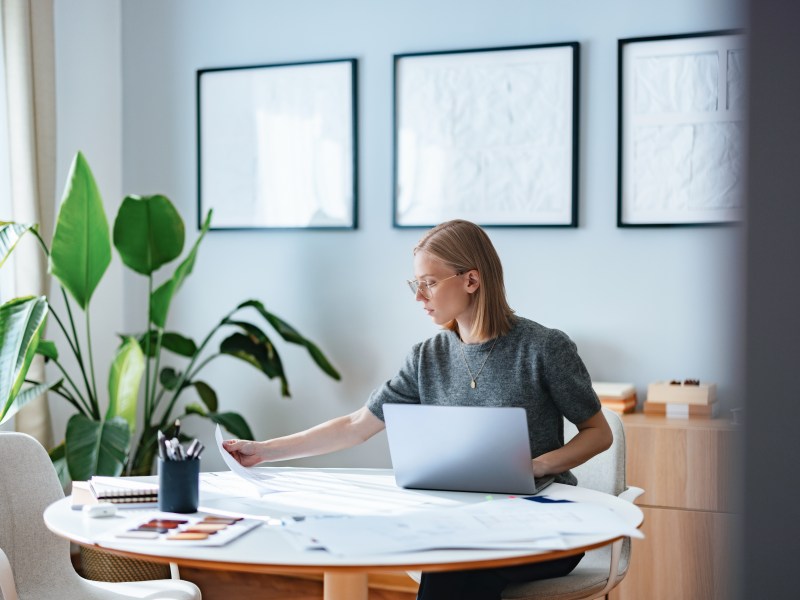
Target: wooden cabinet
pixel 686 469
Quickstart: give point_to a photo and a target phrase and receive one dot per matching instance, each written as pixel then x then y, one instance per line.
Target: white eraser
pixel 103 509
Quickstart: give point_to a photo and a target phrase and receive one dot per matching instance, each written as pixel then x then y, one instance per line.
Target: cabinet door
pixel 684 556
pixel 681 465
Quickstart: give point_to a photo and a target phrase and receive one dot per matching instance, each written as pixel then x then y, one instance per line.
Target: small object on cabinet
pixel 619 397
pixel 681 411
pixel 691 391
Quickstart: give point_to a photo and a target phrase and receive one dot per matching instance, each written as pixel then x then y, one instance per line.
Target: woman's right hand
pixel 246 453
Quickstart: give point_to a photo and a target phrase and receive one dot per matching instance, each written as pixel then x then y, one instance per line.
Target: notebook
pixel 461 448
pixel 123 491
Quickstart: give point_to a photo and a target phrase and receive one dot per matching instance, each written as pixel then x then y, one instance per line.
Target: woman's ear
pixel 473 279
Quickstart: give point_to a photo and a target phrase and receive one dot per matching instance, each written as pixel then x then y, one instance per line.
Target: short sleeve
pixel 568 380
pixel 403 388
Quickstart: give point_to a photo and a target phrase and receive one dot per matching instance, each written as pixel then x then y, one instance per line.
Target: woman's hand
pixel 594 436
pixel 540 469
pixel 245 452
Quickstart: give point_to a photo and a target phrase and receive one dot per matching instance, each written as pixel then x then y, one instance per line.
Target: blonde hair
pixel 464 246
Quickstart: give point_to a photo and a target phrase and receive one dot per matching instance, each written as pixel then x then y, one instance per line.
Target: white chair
pixel 602 569
pixel 34 562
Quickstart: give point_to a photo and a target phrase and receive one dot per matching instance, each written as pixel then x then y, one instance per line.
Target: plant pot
pixel 99 565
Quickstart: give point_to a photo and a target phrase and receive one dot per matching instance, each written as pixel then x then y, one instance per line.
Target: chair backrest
pixel 604 472
pixel 28 484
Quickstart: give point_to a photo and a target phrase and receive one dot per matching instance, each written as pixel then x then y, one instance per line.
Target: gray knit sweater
pixel 533 367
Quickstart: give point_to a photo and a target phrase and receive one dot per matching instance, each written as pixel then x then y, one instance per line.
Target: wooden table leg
pixel 346 586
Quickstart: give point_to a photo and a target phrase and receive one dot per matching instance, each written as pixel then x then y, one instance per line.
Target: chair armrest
pixel 7 587
pixel 631 493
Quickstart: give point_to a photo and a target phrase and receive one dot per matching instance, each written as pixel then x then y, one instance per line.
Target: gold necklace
pixel 474 378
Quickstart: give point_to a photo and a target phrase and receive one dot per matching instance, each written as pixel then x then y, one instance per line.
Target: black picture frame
pixel 503 124
pixel 681 138
pixel 277 145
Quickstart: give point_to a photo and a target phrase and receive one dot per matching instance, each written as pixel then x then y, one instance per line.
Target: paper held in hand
pixel 257 478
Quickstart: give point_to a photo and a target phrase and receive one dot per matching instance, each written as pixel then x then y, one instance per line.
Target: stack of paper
pixel 502 524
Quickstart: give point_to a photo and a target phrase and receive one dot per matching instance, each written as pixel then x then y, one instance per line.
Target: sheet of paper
pixel 122 483
pixel 259 479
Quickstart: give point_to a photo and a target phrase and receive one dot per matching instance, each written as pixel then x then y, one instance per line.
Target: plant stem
pixel 148 401
pixel 76 346
pixel 63 329
pixel 179 389
pixel 153 400
pixel 41 241
pixel 79 354
pixel 96 403
pixel 203 364
pixel 87 409
pixel 189 378
pixel 68 397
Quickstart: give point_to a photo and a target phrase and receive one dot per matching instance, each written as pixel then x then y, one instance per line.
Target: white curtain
pixel 29 60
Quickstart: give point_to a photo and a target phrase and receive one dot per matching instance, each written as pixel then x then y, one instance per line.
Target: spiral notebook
pixel 122 492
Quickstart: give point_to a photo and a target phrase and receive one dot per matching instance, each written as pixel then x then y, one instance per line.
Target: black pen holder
pixel 178 485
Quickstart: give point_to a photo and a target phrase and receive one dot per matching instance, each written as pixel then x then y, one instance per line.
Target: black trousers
pixel 488 584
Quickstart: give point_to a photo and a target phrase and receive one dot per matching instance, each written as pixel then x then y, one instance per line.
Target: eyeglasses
pixel 425 288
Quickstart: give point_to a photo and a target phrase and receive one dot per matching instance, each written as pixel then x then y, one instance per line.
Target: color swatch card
pixel 172 529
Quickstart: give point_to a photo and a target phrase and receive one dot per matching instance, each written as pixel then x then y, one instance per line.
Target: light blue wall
pixel 642 305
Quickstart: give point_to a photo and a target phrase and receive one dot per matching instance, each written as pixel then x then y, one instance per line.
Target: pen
pixel 162 446
pixel 177 428
pixel 192 447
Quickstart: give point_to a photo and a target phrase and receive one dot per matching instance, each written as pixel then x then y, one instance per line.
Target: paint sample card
pixel 194 530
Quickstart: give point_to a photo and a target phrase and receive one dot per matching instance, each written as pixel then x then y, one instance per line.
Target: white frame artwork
pixel 681 129
pixel 277 146
pixel 487 135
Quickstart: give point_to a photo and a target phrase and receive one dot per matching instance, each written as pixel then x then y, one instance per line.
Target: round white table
pixel 266 550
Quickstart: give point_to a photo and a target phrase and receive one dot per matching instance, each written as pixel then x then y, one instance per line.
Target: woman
pixel 484 356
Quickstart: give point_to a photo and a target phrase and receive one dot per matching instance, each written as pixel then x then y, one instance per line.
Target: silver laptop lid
pixel 460 448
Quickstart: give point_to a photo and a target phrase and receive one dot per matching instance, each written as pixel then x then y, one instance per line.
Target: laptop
pixel 461 448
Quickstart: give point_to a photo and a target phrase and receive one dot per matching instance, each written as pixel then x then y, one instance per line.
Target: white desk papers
pixel 349 514
pixel 511 523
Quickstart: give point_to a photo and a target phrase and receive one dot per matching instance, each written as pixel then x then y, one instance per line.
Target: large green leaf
pixel 25 396
pixel 255 349
pixel 169 378
pixel 126 373
pixel 291 335
pixel 21 323
pixel 10 234
pixel 162 297
pixel 47 349
pixel 148 233
pixel 231 421
pixel 96 447
pixel 81 249
pixel 207 395
pixel 174 342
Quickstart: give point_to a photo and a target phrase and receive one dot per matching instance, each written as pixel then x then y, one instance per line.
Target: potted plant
pixel 103 437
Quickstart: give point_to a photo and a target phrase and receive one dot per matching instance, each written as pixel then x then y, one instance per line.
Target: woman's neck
pixel 465 333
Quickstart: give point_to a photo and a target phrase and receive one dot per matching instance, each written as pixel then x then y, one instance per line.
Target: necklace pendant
pixel 472 384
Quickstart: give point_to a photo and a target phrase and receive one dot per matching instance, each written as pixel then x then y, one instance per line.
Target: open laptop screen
pixel 461 448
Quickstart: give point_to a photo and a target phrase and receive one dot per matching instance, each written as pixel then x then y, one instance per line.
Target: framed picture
pixel 681 129
pixel 277 145
pixel 488 135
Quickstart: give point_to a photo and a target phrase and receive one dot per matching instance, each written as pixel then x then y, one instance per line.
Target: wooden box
pixel 665 392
